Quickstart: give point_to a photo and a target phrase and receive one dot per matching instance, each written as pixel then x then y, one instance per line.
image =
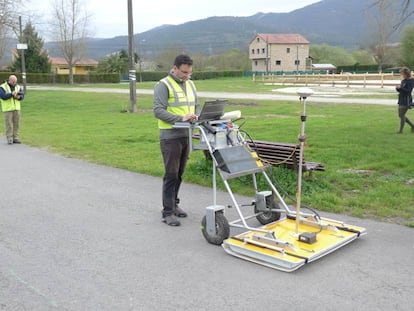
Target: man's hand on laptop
pixel 191 117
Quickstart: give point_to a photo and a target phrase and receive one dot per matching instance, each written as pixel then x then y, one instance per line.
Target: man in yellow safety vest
pixel 175 100
pixel 11 95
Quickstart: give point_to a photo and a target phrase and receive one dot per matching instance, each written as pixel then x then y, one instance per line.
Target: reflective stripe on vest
pixel 179 103
pixel 10 104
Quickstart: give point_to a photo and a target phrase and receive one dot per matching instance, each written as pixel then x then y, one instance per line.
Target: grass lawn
pixel 369 169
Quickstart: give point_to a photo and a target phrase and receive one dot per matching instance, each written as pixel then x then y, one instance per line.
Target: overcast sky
pixel 110 18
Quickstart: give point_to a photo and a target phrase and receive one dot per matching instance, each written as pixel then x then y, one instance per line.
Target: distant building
pixel 279 52
pixel 81 67
pixel 329 68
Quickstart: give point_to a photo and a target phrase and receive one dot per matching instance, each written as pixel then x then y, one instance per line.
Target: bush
pixel 362 68
pixel 41 78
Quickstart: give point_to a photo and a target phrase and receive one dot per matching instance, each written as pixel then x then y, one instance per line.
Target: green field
pixel 369 169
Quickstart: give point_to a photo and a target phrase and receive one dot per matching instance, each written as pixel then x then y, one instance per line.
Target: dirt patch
pixel 355 171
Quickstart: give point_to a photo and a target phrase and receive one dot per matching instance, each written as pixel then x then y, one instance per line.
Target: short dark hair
pixel 183 59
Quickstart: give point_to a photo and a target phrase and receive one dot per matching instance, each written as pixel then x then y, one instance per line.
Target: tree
pixel 113 63
pixel 231 60
pixel 407 46
pixel 8 22
pixel 386 20
pixel 326 54
pixel 36 59
pixel 116 62
pixel 70 29
pixel 165 59
pixel 363 57
pixel 404 13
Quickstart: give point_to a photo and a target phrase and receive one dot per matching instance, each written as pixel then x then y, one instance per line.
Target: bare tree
pixel 9 22
pixel 385 17
pixel 405 10
pixel 70 28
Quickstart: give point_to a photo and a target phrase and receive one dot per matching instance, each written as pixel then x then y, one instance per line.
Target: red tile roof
pixel 283 38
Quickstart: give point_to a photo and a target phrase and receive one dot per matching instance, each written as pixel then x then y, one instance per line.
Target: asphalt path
pixel 80 236
pixel 227 95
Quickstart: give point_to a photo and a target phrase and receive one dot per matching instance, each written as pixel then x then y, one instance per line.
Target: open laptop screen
pixel 212 110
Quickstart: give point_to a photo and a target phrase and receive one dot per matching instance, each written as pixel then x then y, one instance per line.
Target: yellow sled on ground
pixel 281 248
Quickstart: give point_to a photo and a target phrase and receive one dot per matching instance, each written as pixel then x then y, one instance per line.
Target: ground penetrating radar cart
pixel 288 238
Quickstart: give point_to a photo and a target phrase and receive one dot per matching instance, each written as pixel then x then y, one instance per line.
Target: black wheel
pixel 267 217
pixel 222 229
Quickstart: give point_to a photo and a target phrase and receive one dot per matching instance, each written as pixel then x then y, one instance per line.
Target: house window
pixel 263 51
pixel 255 63
pixel 297 62
pixel 258 51
pixel 252 51
pixel 258 39
pixel 287 50
pixel 278 63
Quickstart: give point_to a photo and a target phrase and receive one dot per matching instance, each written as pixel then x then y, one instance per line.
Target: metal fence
pixel 347 79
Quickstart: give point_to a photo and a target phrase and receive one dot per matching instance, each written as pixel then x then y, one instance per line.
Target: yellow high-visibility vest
pixel 10 104
pixel 179 102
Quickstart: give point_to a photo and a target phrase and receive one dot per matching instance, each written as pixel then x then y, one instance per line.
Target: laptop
pixel 212 110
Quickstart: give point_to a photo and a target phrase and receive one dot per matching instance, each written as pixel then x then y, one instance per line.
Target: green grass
pixel 369 169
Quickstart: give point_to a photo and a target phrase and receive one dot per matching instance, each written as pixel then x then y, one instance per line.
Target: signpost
pixel 22 47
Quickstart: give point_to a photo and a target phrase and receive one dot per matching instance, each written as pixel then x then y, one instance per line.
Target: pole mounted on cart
pixel 303 94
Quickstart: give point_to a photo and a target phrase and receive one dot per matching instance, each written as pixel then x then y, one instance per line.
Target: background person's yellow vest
pixel 10 104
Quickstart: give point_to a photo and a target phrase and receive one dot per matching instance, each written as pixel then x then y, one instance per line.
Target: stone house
pixel 279 53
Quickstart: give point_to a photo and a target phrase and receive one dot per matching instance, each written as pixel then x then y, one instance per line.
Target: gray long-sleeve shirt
pixel 161 95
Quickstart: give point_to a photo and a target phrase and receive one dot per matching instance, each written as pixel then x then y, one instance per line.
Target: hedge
pixel 196 75
pixel 42 78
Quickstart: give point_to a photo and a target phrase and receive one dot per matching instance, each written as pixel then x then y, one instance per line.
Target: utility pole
pixel 132 70
pixel 22 47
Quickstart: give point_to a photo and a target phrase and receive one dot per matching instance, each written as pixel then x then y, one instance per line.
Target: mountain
pixel 334 22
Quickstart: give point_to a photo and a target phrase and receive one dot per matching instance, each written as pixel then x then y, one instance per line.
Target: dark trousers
pixel 175 155
pixel 402 110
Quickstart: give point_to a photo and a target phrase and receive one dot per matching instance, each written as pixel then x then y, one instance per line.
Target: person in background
pixel 11 95
pixel 175 100
pixel 405 99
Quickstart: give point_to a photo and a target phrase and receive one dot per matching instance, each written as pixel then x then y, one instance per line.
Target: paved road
pixel 79 236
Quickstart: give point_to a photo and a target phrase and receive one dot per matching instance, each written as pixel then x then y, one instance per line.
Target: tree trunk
pixel 71 75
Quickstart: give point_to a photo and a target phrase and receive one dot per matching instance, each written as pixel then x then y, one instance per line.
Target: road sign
pixel 21 46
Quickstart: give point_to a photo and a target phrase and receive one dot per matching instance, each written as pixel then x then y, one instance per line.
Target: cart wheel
pixel 267 217
pixel 222 229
